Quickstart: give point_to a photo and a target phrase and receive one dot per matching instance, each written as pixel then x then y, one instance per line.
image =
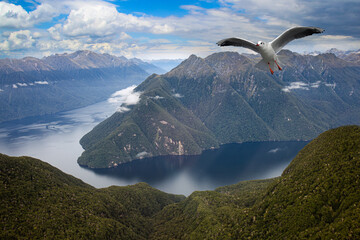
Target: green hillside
pixel 158 125
pixel 316 197
pixel 39 201
pixel 318 194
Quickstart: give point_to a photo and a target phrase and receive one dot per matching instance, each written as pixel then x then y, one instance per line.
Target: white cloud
pixel 156 97
pixel 94 20
pixel 54 32
pixel 15 16
pixel 158 41
pixel 99 26
pixel 267 7
pixel 36 35
pixel 315 84
pixel 41 82
pixel 125 97
pixel 18 40
pixel 275 150
pixel 332 85
pixel 173 51
pixel 43 13
pixel 52 46
pixel 178 95
pixel 306 86
pixel 335 37
pixel 296 85
pixel 122 109
pixel 99 20
pixel 326 42
pixel 192 8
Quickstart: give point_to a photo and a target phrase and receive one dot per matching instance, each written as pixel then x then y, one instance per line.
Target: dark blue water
pixel 229 164
pixel 55 139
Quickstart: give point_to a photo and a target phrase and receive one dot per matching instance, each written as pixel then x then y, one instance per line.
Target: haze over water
pixel 55 139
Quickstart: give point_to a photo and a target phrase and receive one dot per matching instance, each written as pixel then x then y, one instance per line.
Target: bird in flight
pixel 269 50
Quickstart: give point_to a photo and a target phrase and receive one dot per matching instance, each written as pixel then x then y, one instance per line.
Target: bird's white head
pixel 260 43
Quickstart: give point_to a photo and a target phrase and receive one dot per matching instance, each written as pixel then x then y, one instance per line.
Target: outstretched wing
pixel 292 34
pixel 238 42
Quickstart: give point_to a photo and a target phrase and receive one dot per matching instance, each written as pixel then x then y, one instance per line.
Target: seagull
pixel 269 50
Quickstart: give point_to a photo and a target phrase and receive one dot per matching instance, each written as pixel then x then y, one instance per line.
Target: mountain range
pixel 351 55
pixel 166 64
pixel 31 86
pixel 148 67
pixel 224 98
pixel 316 197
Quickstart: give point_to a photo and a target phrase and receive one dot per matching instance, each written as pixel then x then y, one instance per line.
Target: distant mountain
pixel 353 57
pixel 148 67
pixel 223 98
pixel 350 56
pixel 31 86
pixel 316 197
pixel 166 64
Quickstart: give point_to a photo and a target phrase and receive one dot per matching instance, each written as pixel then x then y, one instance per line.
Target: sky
pixel 169 29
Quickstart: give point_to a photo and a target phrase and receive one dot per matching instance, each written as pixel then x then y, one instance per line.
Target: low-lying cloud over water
pixel 124 98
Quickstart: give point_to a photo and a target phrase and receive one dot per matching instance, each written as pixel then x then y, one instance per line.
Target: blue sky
pixel 169 29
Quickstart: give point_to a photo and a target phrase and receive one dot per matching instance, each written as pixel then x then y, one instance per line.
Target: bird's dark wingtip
pixel 319 30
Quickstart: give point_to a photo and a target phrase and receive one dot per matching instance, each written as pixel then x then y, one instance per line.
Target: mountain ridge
pixel 232 101
pixel 31 86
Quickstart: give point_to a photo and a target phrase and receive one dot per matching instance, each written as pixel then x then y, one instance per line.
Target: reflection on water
pixel 55 139
pixel 229 164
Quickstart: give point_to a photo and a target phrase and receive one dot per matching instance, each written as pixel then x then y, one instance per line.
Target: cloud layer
pixel 57 26
pixel 306 86
pixel 124 98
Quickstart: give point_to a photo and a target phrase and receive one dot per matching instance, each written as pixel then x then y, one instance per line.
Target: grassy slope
pixel 38 200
